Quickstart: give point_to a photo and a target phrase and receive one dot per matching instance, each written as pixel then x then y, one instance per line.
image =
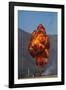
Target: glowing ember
pixel 39 46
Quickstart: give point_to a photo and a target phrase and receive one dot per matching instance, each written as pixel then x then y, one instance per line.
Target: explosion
pixel 39 45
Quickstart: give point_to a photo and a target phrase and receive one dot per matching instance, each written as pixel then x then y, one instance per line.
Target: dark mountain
pixel 26 64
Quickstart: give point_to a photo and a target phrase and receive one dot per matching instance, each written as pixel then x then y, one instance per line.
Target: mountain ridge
pixel 24 58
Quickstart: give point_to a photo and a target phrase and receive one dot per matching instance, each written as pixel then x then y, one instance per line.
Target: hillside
pixel 26 64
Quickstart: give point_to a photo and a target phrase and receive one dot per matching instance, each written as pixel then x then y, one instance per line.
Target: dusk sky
pixel 29 20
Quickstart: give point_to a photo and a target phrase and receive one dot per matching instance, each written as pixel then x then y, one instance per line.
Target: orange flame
pixel 39 46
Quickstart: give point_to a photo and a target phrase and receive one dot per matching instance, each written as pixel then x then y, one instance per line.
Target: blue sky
pixel 29 20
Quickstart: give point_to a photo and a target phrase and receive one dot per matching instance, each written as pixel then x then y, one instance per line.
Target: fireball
pixel 39 46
